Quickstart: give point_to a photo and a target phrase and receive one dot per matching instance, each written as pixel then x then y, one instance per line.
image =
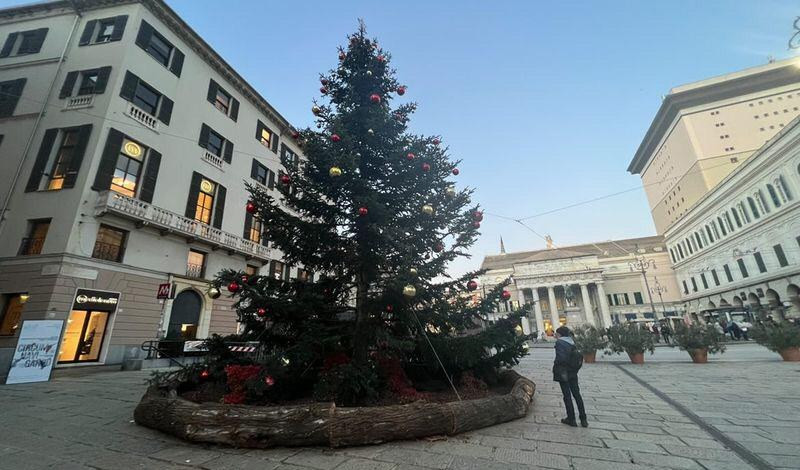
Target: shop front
pixel 88 326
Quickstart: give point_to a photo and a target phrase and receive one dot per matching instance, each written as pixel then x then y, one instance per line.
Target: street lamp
pixel 641 264
pixel 659 289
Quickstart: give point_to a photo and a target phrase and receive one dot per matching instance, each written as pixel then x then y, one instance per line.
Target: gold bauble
pixel 427 209
pixel 412 271
pixel 370 132
pixel 335 171
pixel 213 292
pixel 450 192
pixel 409 291
pixel 316 110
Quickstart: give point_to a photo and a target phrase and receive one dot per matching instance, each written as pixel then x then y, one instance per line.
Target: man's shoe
pixel 569 422
pixel 584 423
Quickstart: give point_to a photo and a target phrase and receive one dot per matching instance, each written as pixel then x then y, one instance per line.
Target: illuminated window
pixel 222 101
pixel 110 244
pixel 266 137
pixel 37 233
pixel 128 168
pixel 12 314
pixel 64 156
pixel 205 202
pixel 196 264
pixel 256 229
pixel 251 270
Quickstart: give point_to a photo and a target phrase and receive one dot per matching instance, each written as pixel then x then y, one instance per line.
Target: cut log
pixel 324 423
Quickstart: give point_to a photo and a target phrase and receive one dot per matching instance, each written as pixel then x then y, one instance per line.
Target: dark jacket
pixel 562 372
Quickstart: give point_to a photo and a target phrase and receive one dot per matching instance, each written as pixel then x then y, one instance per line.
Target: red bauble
pixel 472 285
pixel 381 58
pixel 251 207
pixel 455 171
pixel 204 374
pixel 426 167
pixel 269 381
pixel 438 247
pixel 261 312
pixel 401 90
pixel 375 98
pixel 506 295
pixel 410 156
pixel 335 138
pixel 323 90
pixel 295 134
pixel 476 224
pixel 477 215
pixel 286 179
pixel 233 287
pixel 436 141
pixel 389 308
pixel 324 81
pixel 362 211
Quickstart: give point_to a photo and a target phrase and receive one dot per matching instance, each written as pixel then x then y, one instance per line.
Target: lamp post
pixel 641 264
pixel 659 289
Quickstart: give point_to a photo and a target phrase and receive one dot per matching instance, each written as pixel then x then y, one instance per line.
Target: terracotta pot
pixel 636 358
pixel 699 356
pixel 790 354
pixel 590 358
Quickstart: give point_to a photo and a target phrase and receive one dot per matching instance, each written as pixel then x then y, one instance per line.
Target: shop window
pixel 196 264
pixel 83 336
pixel 110 244
pixel 37 233
pixel 12 314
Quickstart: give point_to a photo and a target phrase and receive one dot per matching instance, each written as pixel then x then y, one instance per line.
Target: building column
pixel 604 310
pixel 537 309
pixel 526 325
pixel 551 295
pixel 587 304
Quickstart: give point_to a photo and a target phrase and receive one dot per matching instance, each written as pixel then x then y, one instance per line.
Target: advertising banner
pixel 36 351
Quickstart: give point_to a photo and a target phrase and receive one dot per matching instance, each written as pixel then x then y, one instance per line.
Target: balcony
pixel 142 117
pixel 31 246
pixel 78 102
pixel 212 159
pixel 167 222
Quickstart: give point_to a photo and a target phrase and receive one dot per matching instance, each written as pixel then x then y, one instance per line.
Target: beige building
pixel 125 142
pixel 595 283
pixel 704 130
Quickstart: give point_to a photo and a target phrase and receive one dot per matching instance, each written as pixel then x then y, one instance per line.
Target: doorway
pixel 185 316
pixel 83 336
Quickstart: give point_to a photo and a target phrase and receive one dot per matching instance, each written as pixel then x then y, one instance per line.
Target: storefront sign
pixel 164 291
pixel 36 351
pixel 86 299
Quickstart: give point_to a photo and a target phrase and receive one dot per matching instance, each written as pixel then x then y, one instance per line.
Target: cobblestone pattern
pixel 85 422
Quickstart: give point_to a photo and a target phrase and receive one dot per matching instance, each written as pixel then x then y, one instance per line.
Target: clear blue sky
pixel 545 102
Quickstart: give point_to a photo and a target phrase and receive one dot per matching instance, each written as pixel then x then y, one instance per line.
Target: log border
pixel 325 424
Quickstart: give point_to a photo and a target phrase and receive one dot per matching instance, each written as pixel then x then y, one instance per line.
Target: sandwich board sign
pixel 36 351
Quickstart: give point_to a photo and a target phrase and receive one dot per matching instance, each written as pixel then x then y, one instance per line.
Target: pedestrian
pixel 736 331
pixel 565 371
pixel 719 328
pixel 656 332
pixel 666 332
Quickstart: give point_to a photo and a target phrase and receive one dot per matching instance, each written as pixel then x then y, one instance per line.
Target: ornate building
pixel 597 283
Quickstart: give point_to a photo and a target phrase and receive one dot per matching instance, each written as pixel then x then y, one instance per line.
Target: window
pixel 24 42
pixel 694 285
pixel 223 101
pixel 721 225
pixel 627 299
pixel 266 136
pixel 10 93
pixel 196 264
pixel 88 82
pixel 256 230
pixel 743 213
pixel 12 314
pixel 672 255
pixel 680 251
pixel 728 221
pixel 260 172
pixel 215 143
pixel 637 298
pixel 762 203
pixel 37 233
pixel 783 190
pixel 715 277
pixel 760 262
pixel 780 255
pixel 289 158
pixel 305 275
pixel 710 235
pixel 704 280
pixel 110 244
pixel 276 270
pixel 128 168
pixel 610 299
pixel 753 208
pixel 773 195
pixel 728 274
pixel 251 270
pixel 159 48
pixel 205 202
pixel 64 155
pixel 146 98
pixel 103 30
pixel 742 267
pixel 685 287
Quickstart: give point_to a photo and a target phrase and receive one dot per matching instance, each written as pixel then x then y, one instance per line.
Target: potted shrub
pixel 699 340
pixel 589 339
pixel 781 337
pixel 632 339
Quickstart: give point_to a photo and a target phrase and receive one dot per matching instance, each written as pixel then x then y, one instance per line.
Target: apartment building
pixel 705 130
pixel 125 145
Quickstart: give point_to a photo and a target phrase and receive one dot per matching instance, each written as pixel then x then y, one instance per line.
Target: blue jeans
pixel 570 389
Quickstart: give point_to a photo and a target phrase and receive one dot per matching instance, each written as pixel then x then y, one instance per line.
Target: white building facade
pixel 126 142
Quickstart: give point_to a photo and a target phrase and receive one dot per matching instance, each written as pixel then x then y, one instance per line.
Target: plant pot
pixel 590 358
pixel 790 354
pixel 636 358
pixel 699 356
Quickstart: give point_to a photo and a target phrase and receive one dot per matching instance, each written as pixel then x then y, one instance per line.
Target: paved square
pixel 747 395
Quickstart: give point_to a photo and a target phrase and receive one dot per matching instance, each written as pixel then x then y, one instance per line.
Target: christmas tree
pixel 372 210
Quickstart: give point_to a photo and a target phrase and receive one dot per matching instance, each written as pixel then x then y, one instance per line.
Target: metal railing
pixel 195 270
pixel 31 246
pixel 107 251
pixel 171 222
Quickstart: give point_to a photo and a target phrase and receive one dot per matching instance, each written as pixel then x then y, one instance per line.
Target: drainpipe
pixel 7 199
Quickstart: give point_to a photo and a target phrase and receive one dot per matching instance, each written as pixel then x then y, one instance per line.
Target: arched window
pixel 762 203
pixel 743 212
pixel 753 207
pixel 699 244
pixel 672 255
pixel 689 246
pixel 680 251
pixel 783 190
pixel 736 218
pixel 773 195
pixel 715 229
pixel 722 226
pixel 710 235
pixel 703 236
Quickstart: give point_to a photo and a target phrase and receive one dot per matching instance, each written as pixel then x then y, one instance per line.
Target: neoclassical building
pixel 596 283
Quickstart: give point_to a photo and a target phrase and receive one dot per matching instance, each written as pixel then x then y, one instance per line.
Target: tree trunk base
pixel 325 424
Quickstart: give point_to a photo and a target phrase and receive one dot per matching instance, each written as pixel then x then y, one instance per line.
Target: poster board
pixel 36 350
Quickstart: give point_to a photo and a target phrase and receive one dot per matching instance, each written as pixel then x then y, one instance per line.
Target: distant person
pixel 736 331
pixel 666 332
pixel 565 371
pixel 719 328
pixel 656 332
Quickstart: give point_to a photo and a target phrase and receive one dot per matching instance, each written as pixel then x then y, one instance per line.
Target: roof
pixel 707 91
pixel 178 26
pixel 607 249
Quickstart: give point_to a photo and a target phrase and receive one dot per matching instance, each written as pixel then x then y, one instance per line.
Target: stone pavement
pixel 85 422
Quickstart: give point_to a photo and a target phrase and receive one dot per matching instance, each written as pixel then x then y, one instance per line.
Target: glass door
pixel 83 336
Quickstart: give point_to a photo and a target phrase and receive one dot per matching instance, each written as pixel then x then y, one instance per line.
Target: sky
pixel 545 102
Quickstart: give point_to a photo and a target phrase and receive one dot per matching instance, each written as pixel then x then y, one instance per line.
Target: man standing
pixel 565 371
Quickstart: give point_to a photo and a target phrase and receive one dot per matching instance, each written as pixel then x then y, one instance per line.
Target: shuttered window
pixel 160 48
pixel 147 98
pixel 10 93
pixel 24 42
pixel 222 100
pixel 215 143
pixel 89 82
pixel 127 167
pixel 60 162
pixel 103 30
pixel 206 202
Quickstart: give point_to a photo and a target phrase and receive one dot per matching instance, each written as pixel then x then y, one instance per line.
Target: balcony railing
pixel 195 270
pixel 109 202
pixel 78 102
pixel 142 117
pixel 31 246
pixel 107 251
pixel 211 159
